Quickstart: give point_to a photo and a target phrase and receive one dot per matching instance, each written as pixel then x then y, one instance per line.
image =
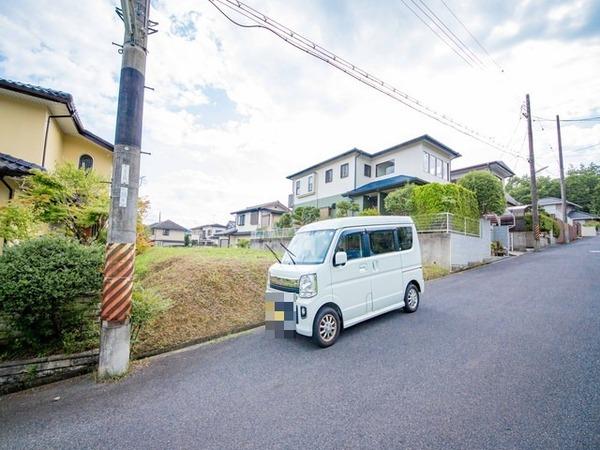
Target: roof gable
pixel 167 225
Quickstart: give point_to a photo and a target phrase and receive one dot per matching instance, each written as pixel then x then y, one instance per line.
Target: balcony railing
pixel 277 233
pixel 447 223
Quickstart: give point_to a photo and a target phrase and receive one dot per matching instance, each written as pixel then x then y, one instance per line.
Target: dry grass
pixel 431 272
pixel 212 291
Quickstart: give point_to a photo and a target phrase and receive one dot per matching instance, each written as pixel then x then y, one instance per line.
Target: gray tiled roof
pixel 168 225
pixel 11 166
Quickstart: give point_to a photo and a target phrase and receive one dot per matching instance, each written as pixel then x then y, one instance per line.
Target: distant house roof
pixel 52 95
pixel 425 138
pixel 167 225
pixel 213 225
pixel 498 167
pixel 15 167
pixel 554 201
pixel 275 207
pixel 510 200
pixel 387 183
pixel 581 215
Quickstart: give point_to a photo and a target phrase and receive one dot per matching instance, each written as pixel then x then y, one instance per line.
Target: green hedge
pixel 436 198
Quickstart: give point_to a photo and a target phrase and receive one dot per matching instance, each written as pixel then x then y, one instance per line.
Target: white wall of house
pixel 264 220
pixel 172 238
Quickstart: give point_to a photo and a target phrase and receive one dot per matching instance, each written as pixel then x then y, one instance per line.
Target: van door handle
pixel 362 267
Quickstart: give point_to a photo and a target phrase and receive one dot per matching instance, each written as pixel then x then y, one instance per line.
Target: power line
pixel 586 147
pixel 436 33
pixel 300 42
pixel 472 36
pixel 584 119
pixel 452 35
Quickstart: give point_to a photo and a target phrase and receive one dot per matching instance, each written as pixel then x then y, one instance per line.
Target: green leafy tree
pixel 488 191
pixel 346 208
pixel 304 215
pixel 16 222
pixel 50 291
pixel 69 199
pixel 187 240
pixel 285 221
pixel 583 184
pixel 400 201
pixel 520 188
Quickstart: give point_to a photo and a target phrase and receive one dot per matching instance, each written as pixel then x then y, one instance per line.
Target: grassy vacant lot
pixel 212 290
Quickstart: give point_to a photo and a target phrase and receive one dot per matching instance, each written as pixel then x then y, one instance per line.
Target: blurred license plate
pixel 280 313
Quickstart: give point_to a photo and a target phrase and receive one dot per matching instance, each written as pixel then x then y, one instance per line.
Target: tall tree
pixel 583 185
pixel 488 191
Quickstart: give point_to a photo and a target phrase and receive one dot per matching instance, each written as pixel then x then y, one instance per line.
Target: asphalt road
pixel 505 356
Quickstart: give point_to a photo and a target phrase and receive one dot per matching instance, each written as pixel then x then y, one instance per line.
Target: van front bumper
pixel 286 313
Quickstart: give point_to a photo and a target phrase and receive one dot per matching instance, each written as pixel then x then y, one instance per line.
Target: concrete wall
pixel 501 234
pixel 453 250
pixel 273 243
pixel 588 231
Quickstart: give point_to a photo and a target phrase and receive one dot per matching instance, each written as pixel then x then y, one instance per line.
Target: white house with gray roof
pixel 168 234
pixel 367 178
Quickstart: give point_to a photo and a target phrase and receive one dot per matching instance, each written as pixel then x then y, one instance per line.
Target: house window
pixel 405 237
pixel 438 168
pixel 165 232
pixel 344 170
pixel 432 164
pixel 298 187
pixel 86 162
pixel 328 175
pixel 384 168
pixel 425 162
pixel 382 241
pixel 310 183
pixel 445 170
pixel 241 220
pixel 253 218
pixel 367 170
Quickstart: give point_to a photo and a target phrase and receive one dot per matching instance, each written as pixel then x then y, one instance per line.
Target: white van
pixel 340 272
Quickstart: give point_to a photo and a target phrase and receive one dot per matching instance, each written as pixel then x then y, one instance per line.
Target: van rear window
pixel 405 237
pixel 382 241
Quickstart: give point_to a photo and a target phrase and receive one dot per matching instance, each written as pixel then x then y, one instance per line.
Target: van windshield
pixel 309 247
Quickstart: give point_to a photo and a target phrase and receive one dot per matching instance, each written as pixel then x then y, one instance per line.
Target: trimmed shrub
pixel 400 201
pixel 243 243
pixel 345 208
pixel 369 212
pixel 49 292
pixel 436 198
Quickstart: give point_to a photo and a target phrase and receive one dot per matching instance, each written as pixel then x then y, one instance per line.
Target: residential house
pixel 367 178
pixel 40 128
pixel 553 206
pixel 253 218
pixel 168 234
pixel 206 234
pixel 585 222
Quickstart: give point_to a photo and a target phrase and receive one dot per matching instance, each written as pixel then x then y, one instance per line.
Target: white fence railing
pixel 447 223
pixel 277 233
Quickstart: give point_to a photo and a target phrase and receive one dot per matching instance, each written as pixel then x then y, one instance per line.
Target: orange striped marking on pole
pixel 118 282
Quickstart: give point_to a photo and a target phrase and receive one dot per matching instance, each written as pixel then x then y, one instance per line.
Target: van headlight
pixel 307 285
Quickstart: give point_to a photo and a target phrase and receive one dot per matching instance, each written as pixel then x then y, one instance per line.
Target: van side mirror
pixel 340 259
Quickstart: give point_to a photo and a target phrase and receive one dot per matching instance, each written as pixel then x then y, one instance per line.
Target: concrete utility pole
pixel 120 249
pixel 563 187
pixel 534 195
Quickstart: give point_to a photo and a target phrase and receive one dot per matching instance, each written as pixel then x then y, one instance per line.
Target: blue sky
pixel 236 110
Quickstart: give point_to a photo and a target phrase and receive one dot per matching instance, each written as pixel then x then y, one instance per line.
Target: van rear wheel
pixel 326 327
pixel 412 297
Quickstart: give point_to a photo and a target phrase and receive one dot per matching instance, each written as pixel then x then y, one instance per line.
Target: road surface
pixel 504 356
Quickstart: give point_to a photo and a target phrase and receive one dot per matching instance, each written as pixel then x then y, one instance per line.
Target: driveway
pixel 505 356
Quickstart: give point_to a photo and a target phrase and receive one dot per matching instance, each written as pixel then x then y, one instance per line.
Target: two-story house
pixel 253 218
pixel 40 128
pixel 168 234
pixel 367 178
pixel 206 234
pixel 497 168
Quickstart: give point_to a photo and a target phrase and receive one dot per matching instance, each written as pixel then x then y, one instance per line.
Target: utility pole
pixel 563 187
pixel 534 195
pixel 120 248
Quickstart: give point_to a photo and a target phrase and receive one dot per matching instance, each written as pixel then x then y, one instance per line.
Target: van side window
pixel 382 241
pixel 405 236
pixel 351 244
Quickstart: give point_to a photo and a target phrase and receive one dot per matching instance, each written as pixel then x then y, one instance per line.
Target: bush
pixel 243 243
pixel 400 201
pixel 147 305
pixel 345 208
pixel 50 291
pixel 304 215
pixel 285 221
pixel 369 212
pixel 436 198
pixel 547 223
pixel 488 191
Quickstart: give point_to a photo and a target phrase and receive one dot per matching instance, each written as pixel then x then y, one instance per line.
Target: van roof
pixel 359 221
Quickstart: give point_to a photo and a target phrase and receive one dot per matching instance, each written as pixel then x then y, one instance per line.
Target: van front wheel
pixel 326 327
pixel 411 298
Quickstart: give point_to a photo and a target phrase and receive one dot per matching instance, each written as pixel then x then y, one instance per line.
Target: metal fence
pixel 447 223
pixel 277 233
